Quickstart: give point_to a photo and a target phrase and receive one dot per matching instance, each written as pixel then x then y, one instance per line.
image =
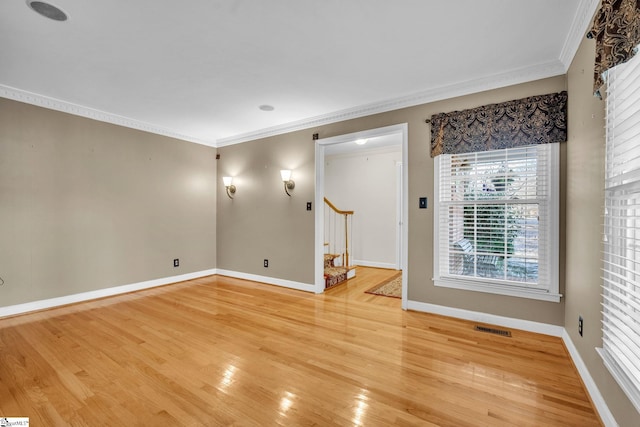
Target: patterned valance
pixel 616 29
pixel 535 120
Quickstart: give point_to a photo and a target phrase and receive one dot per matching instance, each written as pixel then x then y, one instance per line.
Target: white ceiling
pixel 199 69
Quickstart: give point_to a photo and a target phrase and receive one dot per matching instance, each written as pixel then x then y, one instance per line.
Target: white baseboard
pixel 269 280
pixel 374 264
pixel 13 310
pixel 592 388
pixel 476 316
pixel 527 325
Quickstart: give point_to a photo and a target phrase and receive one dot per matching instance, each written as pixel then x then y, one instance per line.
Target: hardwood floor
pixel 221 351
pixel 366 278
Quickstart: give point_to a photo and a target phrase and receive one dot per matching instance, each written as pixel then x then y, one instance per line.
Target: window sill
pixel 497 288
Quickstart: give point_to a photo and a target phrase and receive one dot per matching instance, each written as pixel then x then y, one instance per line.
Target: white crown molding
pixel 579 25
pixel 508 78
pixel 91 113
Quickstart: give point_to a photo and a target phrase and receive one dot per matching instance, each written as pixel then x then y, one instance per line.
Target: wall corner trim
pixel 579 26
pixel 17 309
pixel 308 287
pixel 596 397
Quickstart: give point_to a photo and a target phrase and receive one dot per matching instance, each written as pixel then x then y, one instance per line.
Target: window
pixel 496 227
pixel 621 267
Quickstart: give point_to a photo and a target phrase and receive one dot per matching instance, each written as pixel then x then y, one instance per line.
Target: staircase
pixel 337 237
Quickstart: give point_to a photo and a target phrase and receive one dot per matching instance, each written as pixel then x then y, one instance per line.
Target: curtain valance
pixel 616 30
pixel 538 119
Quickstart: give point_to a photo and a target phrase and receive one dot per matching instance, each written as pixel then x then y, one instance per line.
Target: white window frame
pixel 621 263
pixel 502 287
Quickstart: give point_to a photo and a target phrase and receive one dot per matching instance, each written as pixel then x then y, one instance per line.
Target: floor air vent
pixel 493 331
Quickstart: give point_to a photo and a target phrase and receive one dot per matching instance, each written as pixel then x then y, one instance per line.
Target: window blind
pixel 621 264
pixel 494 218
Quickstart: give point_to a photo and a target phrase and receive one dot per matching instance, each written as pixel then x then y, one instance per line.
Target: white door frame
pixel 403 130
pixel 399 210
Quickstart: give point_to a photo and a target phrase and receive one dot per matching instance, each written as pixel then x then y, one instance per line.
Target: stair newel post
pixel 338 249
pixel 346 241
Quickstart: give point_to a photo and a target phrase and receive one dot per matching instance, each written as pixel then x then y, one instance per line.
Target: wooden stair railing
pixel 337 237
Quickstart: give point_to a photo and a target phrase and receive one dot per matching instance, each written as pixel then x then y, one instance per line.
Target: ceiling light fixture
pixel 267 107
pixel 361 141
pixel 47 10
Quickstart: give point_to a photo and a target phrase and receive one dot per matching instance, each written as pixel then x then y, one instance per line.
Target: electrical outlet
pixel 308 206
pixel 266 263
pixel 422 203
pixel 580 325
pixel 176 262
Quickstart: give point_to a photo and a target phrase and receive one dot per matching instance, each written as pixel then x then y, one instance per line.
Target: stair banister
pixel 346 214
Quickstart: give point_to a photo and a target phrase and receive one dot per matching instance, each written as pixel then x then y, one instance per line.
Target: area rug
pixel 389 288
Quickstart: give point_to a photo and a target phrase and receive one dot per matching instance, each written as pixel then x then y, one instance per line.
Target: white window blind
pixel 496 221
pixel 621 267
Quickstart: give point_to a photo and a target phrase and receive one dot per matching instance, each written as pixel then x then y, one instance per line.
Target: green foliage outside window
pixel 491 227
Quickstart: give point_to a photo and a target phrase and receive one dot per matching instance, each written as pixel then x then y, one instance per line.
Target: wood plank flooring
pixel 218 351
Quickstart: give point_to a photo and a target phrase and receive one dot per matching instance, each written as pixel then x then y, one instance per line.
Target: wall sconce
pixel 288 182
pixel 231 189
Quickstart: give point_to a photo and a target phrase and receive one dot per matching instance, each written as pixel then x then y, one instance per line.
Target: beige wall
pixel 263 223
pixel 584 207
pixel 86 205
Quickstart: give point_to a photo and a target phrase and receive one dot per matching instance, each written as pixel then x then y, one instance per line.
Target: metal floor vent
pixel 493 331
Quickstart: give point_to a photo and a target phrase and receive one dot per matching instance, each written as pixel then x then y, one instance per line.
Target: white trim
pixel 364 134
pixel 268 280
pixel 399 217
pixel 405 217
pixel 319 221
pixel 375 264
pixel 530 326
pixel 366 151
pixel 581 21
pixel 476 316
pixel 589 383
pixel 507 78
pixel 504 287
pixel 494 288
pixel 402 129
pixel 13 310
pixel 92 113
pixel 579 25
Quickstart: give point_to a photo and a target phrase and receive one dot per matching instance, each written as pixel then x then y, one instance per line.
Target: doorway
pixel 336 143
